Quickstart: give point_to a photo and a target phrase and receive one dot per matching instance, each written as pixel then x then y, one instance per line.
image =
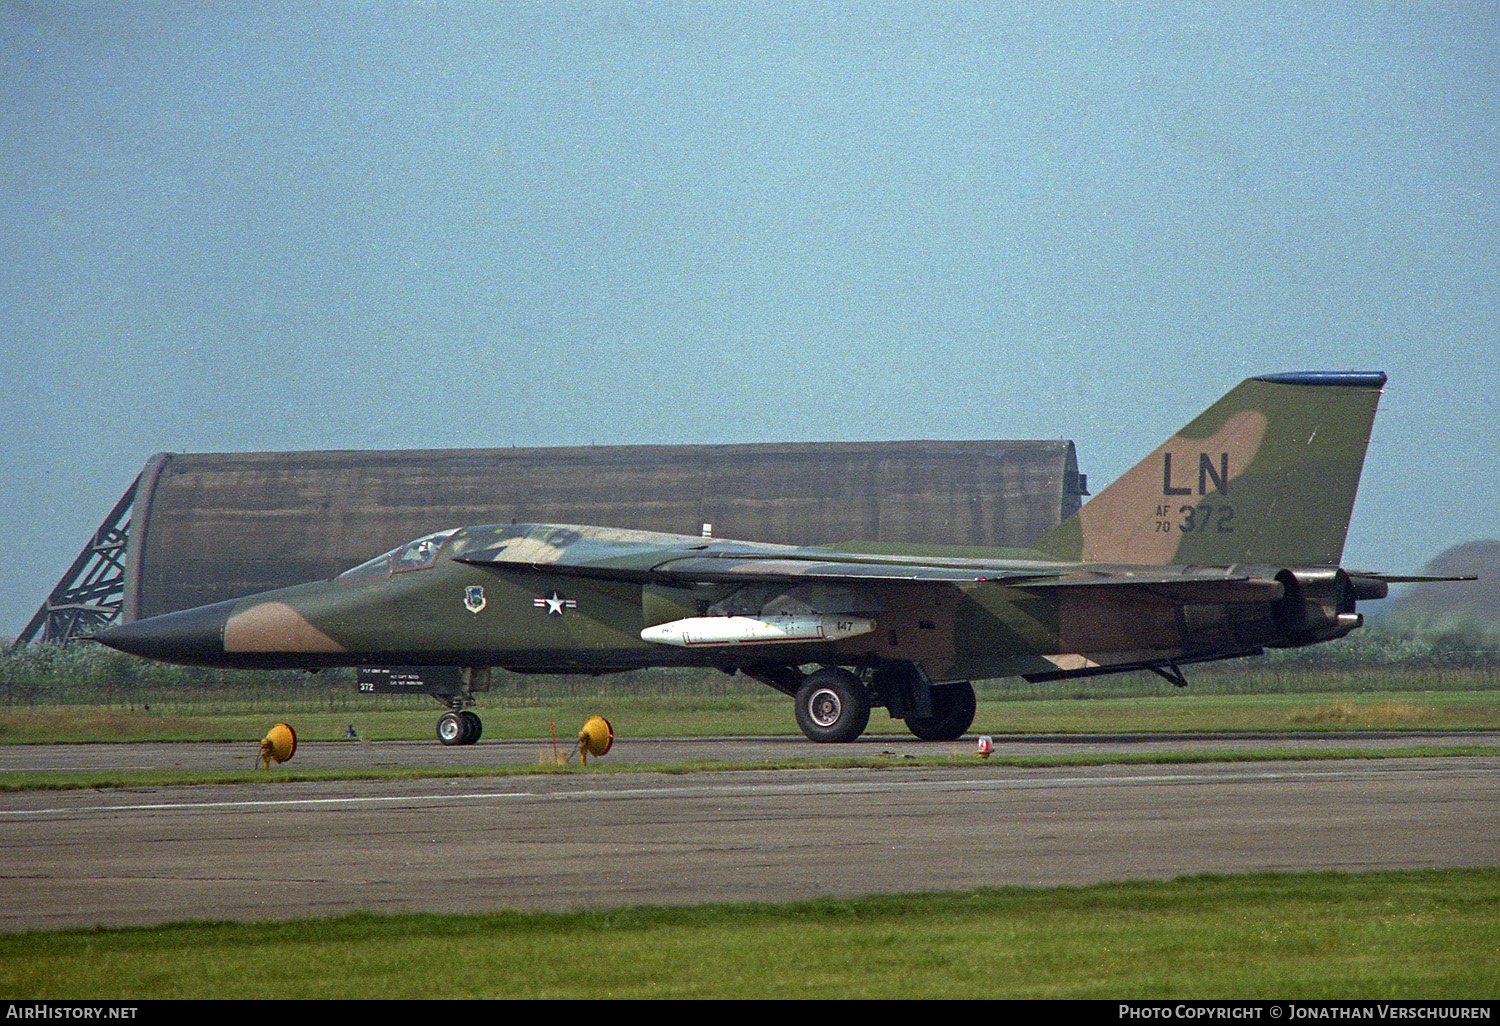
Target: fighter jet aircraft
pixel 1224 541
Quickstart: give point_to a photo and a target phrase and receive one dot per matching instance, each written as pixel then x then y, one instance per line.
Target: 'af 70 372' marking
pixel 1218 519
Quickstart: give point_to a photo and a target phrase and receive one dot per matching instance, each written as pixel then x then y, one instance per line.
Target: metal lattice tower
pixel 90 594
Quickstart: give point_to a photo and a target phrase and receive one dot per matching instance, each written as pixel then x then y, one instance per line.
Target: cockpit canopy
pixel 414 555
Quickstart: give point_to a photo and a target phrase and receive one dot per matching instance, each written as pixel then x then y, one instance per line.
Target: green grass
pixel 1400 935
pixel 647 716
pixel 379 719
pixel 1193 713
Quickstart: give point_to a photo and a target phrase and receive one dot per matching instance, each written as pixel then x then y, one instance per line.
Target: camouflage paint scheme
pixel 1224 541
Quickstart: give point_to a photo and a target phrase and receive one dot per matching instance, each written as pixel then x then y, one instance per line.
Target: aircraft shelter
pixel 196 528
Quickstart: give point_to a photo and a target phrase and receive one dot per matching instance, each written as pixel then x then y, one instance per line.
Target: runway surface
pixel 277 850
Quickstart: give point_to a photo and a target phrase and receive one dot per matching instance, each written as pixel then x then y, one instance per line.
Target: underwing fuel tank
pixel 696 631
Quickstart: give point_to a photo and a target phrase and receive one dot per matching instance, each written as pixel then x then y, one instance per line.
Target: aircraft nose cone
pixel 193 637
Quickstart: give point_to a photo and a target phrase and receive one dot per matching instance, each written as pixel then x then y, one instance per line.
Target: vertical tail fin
pixel 1266 475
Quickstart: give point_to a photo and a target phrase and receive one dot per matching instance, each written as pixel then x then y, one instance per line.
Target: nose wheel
pixel 459 727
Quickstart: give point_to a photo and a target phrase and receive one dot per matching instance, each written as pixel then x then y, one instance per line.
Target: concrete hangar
pixel 196 528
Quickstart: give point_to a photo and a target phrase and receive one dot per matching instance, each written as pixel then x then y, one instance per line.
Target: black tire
pixel 953 708
pixel 473 725
pixel 832 707
pixel 451 729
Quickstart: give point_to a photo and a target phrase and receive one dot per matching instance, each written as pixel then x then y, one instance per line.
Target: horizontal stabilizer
pixel 1409 578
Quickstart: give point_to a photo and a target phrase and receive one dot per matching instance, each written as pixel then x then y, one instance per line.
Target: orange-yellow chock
pixel 596 738
pixel 280 744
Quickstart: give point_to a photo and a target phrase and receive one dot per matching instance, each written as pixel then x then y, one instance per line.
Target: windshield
pixel 415 555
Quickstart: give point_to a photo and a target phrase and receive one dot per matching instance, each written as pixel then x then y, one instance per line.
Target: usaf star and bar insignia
pixel 555 604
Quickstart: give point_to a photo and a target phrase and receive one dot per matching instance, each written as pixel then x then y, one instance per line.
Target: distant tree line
pixel 80 672
pixel 1414 639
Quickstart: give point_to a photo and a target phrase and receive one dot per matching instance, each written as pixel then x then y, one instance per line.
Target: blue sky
pixel 291 226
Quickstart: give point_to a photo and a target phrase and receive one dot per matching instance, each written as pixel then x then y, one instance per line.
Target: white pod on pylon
pixel 697 631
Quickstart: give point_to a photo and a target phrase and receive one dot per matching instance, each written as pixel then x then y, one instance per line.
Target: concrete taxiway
pixel 273 850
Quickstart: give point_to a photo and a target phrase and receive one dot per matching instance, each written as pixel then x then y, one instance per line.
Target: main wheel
pixel 832 706
pixel 473 727
pixel 953 708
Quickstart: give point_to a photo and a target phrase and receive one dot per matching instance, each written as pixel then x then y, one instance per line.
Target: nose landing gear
pixel 459 727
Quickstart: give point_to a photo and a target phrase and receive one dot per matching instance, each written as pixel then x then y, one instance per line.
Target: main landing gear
pixel 953 709
pixel 833 704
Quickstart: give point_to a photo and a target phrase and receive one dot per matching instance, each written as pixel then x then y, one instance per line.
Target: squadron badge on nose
pixel 474 598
